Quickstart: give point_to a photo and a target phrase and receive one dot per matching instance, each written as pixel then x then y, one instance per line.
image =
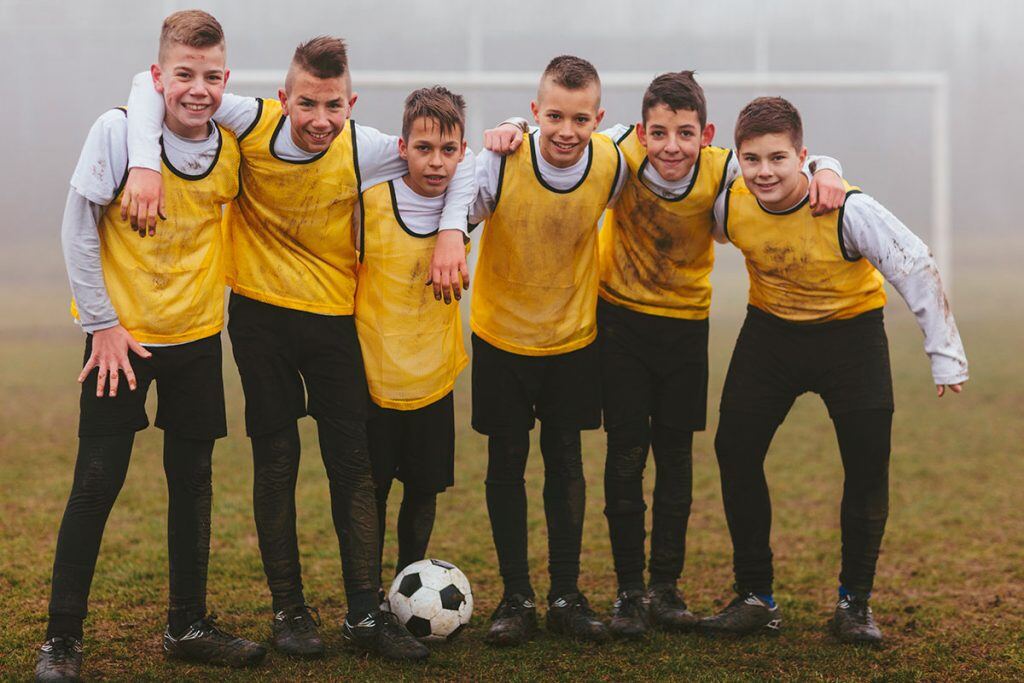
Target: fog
pixel 69 61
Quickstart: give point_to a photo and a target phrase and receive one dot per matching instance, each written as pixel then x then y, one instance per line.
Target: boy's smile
pixel 673 140
pixel 773 170
pixel 317 109
pixel 192 81
pixel 567 118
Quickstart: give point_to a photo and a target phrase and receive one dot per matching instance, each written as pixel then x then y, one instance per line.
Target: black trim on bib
pixel 536 168
pixel 684 195
pixel 359 189
pixel 619 158
pixel 259 115
pixel 273 139
pixel 725 174
pixel 398 215
pixel 625 135
pixel 792 209
pixel 842 242
pixel 725 211
pixel 208 171
pixel 127 164
pixel 501 178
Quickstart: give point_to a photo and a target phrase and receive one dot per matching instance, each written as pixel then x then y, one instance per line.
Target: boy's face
pixel 673 140
pixel 566 118
pixel 773 170
pixel 317 108
pixel 432 156
pixel 192 81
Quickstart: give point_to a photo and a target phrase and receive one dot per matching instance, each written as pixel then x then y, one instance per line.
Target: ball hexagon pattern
pixel 432 598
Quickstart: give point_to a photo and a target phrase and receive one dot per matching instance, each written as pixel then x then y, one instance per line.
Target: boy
pixel 533 317
pixel 656 255
pixel 412 348
pixel 814 323
pixel 163 327
pixel 291 266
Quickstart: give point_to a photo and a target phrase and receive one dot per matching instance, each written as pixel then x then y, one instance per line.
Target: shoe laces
pixel 206 628
pixel 61 647
pixel 510 606
pixel 391 628
pixel 576 602
pixel 668 596
pixel 303 619
pixel 630 604
pixel 857 607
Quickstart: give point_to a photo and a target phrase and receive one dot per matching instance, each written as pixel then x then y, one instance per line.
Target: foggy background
pixel 66 62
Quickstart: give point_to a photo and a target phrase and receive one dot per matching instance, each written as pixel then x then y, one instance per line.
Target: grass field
pixel 949 594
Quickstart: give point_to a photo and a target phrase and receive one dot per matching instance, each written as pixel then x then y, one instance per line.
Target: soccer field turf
pixel 950 587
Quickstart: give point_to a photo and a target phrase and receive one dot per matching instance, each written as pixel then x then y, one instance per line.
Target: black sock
pixel 415 524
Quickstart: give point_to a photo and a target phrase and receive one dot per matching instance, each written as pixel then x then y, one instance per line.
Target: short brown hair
pixel 439 104
pixel 572 73
pixel 190 27
pixel 767 115
pixel 322 57
pixel 676 90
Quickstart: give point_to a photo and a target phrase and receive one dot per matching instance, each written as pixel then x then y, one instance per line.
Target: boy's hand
pixel 940 389
pixel 826 193
pixel 504 139
pixel 110 354
pixel 143 200
pixel 449 273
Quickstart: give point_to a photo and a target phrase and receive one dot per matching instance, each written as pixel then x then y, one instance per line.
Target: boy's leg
pixel 673 495
pixel 564 505
pixel 385 439
pixel 506 506
pixel 415 524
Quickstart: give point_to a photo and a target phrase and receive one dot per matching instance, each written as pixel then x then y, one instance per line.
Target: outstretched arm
pixel 871 231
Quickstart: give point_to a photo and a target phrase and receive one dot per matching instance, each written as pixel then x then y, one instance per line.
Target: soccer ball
pixel 432 599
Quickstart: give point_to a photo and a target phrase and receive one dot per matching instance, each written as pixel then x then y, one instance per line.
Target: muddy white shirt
pixel 378 152
pixel 102 167
pixel 871 231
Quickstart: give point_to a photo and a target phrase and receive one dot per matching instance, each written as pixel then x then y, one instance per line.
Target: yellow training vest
pixel 169 289
pixel 657 253
pixel 536 279
pixel 289 233
pixel 412 345
pixel 797 263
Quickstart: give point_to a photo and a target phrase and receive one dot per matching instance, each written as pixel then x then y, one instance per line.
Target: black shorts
pixel 653 367
pixel 417 447
pixel 277 349
pixel 510 391
pixel 190 393
pixel 846 362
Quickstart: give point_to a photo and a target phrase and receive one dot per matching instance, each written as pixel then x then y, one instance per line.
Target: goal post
pixel 936 83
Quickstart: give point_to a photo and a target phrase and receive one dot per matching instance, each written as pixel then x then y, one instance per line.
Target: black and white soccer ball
pixel 432 599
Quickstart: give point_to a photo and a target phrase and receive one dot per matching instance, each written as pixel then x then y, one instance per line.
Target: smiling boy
pixel 814 323
pixel 153 311
pixel 291 266
pixel 534 323
pixel 412 347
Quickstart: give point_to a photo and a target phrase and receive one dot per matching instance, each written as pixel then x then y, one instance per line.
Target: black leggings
pixel 742 442
pixel 99 474
pixel 415 522
pixel 628 445
pixel 564 502
pixel 353 508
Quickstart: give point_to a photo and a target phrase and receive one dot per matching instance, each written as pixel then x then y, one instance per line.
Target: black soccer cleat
pixel 380 633
pixel 514 621
pixel 630 614
pixel 668 610
pixel 204 643
pixel 745 615
pixel 854 623
pixel 295 632
pixel 60 659
pixel 570 615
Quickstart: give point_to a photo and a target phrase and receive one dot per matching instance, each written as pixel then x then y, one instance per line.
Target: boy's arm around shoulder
pixel 449 272
pixel 871 231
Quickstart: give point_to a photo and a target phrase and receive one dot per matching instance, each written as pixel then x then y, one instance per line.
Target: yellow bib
pixel 797 263
pixel 169 289
pixel 412 345
pixel 656 253
pixel 289 233
pixel 535 292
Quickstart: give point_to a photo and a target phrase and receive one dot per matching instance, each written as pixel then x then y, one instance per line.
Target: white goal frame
pixel 936 83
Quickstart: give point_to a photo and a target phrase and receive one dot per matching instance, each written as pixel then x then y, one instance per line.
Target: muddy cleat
pixel 668 610
pixel 380 633
pixel 60 659
pixel 630 614
pixel 295 632
pixel 570 615
pixel 747 614
pixel 514 622
pixel 854 623
pixel 204 643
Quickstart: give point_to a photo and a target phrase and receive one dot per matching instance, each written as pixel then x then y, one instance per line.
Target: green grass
pixel 949 594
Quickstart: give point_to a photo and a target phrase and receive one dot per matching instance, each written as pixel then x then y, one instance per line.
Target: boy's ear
pixel 707 135
pixel 462 151
pixel 600 115
pixel 641 133
pixel 352 102
pixel 227 73
pixel 535 110
pixel 157 74
pixel 803 156
pixel 283 97
pixel 403 149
